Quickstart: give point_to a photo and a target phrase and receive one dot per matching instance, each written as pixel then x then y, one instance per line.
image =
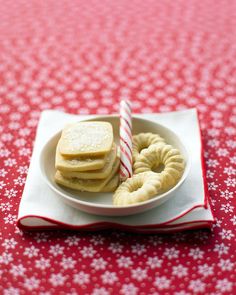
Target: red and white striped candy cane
pixel 125 140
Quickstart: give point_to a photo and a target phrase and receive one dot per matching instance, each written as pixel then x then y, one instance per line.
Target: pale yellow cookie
pixel 95 174
pixel 139 188
pixel 111 185
pixel 89 185
pixel 142 141
pixel 79 163
pixel 164 155
pixel 86 139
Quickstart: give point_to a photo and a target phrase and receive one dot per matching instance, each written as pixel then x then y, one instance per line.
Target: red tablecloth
pixel 83 57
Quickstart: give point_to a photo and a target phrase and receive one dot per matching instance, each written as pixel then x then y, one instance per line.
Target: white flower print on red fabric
pixel 224 285
pixel 226 234
pixel 41 237
pixel 4 109
pixel 100 291
pixel 31 283
pixel 229 170
pixel 88 252
pixel 15 116
pixel 138 249
pixel 233 220
pixel 57 279
pixel 233 160
pixel 72 240
pixel 230 182
pixel 154 262
pixel 3 172
pixel 18 270
pixel 125 262
pixel 217 223
pixel 19 180
pixel 20 142
pixel 205 270
pixel 213 132
pixel 171 253
pixel 212 163
pixel 162 282
pixel 11 291
pixel 217 123
pixel 139 274
pixel 9 243
pixel 24 131
pixel 226 264
pixel 42 263
pixel 201 235
pixel 109 277
pixel 2 184
pixel 197 286
pixel 81 278
pixel 22 169
pixel 231 143
pixel 23 152
pixel 226 208
pixel 210 174
pixel 180 271
pixel 31 251
pixel 115 248
pixel 97 240
pixel 222 152
pixel 10 193
pixel 10 219
pixel 196 253
pixel 129 289
pixel 99 263
pixel 56 250
pixel 212 186
pixel 226 194
pixel 213 143
pixel 182 293
pixel 7 137
pixel 9 162
pixel 230 130
pixel 5 206
pixel 67 262
pixel 6 258
pixel 221 248
pixel 155 240
pixel 4 153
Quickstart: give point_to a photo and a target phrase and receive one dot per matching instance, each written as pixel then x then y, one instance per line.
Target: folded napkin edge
pixel 145 229
pixel 107 224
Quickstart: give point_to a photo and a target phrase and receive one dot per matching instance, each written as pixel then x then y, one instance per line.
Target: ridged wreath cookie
pixel 163 155
pixel 138 188
pixel 142 141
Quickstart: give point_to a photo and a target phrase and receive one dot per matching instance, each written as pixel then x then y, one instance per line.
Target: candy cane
pixel 125 140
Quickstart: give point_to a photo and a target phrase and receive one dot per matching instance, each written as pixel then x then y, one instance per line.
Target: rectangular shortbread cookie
pixel 89 185
pixel 79 163
pixel 86 139
pixel 95 174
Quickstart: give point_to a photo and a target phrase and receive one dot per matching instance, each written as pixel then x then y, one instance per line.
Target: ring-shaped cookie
pixel 142 141
pixel 138 188
pixel 161 155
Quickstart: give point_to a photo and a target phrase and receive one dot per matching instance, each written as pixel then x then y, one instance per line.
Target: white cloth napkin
pixel 40 207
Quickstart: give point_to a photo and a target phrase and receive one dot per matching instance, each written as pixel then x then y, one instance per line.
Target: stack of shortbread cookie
pixel 87 158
